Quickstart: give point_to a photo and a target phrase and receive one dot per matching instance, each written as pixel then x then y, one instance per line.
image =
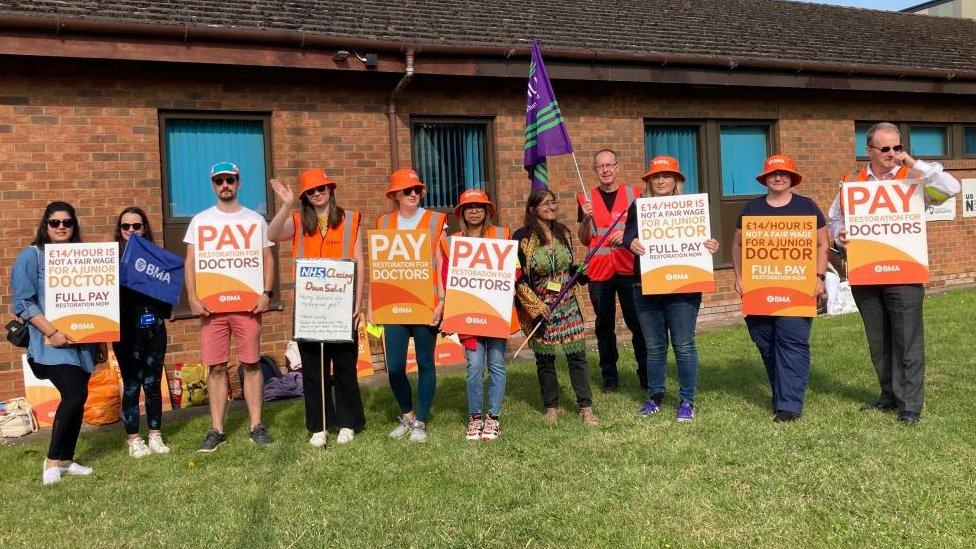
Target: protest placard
pixel 779 265
pixel 81 290
pixel 968 197
pixel 229 267
pixel 885 222
pixel 364 360
pixel 324 299
pixel 402 284
pixel 480 287
pixel 673 231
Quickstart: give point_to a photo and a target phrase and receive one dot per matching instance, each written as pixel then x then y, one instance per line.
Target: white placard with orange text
pixel 885 223
pixel 81 290
pixel 229 265
pixel 673 231
pixel 480 287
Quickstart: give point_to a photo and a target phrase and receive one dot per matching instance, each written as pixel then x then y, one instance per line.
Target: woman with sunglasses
pixel 321 229
pixel 546 255
pixel 474 212
pixel 52 355
pixel 141 349
pixel 405 191
pixel 666 317
pixel 783 341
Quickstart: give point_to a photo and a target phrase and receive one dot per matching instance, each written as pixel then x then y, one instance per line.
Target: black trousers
pixel 72 382
pixel 141 354
pixel 345 408
pixel 579 377
pixel 604 295
pixel 892 316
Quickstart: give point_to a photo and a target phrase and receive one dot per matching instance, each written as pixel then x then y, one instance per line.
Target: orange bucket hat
pixel 311 178
pixel 780 163
pixel 404 178
pixel 663 164
pixel 474 196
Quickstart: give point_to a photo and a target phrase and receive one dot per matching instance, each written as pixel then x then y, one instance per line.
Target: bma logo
pixel 229 297
pixel 777 299
pixel 151 270
pixel 75 326
pixel 887 268
pixel 312 272
pixel 676 276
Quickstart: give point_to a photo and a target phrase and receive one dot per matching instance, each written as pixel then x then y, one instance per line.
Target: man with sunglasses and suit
pixel 238 227
pixel 892 313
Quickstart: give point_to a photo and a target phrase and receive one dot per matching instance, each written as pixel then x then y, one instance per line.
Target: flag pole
pixel 580 175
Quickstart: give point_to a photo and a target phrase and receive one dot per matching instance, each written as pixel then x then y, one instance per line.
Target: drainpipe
pixel 391 111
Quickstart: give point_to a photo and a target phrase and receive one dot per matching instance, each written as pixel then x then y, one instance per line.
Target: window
pixel 969 148
pixel 190 144
pixel 450 156
pixel 720 158
pixel 928 141
pixel 680 142
pixel 924 139
pixel 744 149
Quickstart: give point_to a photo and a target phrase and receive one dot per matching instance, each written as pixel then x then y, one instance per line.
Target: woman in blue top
pixel 52 354
pixel 783 341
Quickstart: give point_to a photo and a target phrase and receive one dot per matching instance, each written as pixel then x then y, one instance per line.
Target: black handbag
pixel 17 333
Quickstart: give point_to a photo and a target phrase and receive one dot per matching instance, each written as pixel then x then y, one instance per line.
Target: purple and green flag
pixel 545 133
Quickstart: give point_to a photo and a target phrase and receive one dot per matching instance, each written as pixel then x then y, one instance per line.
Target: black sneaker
pixel 879 406
pixel 213 439
pixel 260 436
pixel 785 415
pixel 909 418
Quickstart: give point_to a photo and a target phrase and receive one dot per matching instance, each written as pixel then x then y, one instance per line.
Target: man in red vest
pixel 611 270
pixel 892 313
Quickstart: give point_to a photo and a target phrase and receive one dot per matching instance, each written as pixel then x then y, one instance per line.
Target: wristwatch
pixel 822 276
pixel 269 293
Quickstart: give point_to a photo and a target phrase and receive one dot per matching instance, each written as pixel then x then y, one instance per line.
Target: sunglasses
pixel 413 190
pixel 319 189
pixel 133 226
pixel 896 148
pixel 66 223
pixel 224 180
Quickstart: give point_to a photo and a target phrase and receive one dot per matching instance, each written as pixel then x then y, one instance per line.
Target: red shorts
pixel 215 332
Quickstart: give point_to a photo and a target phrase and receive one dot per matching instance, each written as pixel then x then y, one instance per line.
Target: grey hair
pixel 601 151
pixel 881 127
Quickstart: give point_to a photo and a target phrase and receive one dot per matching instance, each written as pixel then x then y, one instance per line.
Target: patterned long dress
pixel 548 268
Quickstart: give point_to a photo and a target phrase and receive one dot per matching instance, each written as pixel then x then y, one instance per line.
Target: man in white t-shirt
pixel 230 238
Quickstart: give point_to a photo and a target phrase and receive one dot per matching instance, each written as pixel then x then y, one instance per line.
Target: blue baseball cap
pixel 221 168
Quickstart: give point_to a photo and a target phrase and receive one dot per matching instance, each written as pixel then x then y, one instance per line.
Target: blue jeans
pixel 664 318
pixel 784 344
pixel 490 351
pixel 396 337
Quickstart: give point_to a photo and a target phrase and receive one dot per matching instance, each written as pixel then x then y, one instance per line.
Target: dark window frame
pixel 710 172
pixel 491 178
pixel 174 228
pixel 955 138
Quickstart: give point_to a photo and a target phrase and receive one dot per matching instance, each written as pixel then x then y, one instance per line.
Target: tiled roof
pixel 738 29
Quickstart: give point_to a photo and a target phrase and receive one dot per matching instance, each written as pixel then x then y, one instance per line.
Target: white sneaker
pixel 138 448
pixel 345 435
pixel 51 475
pixel 157 445
pixel 318 439
pixel 419 431
pixel 402 429
pixel 75 469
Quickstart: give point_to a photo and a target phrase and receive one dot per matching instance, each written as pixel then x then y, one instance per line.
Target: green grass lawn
pixel 839 476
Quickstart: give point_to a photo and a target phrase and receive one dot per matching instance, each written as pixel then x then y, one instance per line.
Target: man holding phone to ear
pixel 892 313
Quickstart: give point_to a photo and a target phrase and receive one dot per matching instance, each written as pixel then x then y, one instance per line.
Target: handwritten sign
pixel 324 299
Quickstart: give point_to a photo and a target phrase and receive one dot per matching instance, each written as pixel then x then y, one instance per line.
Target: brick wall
pixel 88 134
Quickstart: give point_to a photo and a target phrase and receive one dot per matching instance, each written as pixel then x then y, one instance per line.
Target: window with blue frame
pixel 679 141
pixel 743 151
pixel 451 156
pixel 928 141
pixel 193 145
pixel 969 145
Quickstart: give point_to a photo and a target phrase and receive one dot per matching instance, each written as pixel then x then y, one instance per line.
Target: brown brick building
pixel 104 108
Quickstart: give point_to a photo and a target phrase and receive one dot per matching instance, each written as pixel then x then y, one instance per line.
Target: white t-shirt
pixel 244 217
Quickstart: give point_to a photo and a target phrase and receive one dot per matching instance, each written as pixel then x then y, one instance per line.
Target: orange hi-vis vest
pixel 336 243
pixel 434 221
pixel 609 261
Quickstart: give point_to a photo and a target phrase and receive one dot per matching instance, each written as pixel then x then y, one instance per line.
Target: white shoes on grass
pixel 138 447
pixel 53 475
pixel 345 436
